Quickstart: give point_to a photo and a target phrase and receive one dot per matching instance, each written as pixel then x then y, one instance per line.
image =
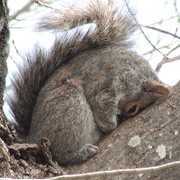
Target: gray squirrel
pixel 85 85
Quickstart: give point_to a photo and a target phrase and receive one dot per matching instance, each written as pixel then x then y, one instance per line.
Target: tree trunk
pixel 151 138
pixel 4 51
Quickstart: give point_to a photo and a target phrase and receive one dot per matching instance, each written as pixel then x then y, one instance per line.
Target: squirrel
pixel 85 85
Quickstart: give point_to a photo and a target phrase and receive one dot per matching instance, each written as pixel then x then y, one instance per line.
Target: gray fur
pixel 76 92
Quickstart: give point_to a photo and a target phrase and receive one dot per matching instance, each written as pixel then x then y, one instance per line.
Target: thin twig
pixel 166 60
pixel 178 46
pixel 173 40
pixel 175 164
pixel 174 59
pixel 167 19
pixel 142 30
pixel 17 51
pixel 24 8
pixel 175 5
pixel 43 4
pixel 163 31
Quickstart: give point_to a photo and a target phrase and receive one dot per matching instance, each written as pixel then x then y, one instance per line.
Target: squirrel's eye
pixel 132 108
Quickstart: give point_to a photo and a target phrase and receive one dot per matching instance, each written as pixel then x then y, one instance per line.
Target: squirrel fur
pixel 84 85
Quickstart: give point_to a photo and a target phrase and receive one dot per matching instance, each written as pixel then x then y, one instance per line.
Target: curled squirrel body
pixel 76 92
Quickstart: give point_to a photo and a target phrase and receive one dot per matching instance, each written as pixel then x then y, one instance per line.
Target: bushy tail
pixel 113 25
pixel 112 28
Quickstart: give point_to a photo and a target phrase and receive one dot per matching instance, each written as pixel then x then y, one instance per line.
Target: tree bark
pixel 4 51
pixel 151 138
pixel 4 47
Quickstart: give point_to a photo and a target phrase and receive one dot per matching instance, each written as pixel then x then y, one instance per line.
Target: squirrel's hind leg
pixel 69 125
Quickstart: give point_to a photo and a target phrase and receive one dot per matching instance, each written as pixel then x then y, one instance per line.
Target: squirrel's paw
pixel 88 150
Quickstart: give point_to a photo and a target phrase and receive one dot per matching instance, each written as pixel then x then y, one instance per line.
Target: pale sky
pixel 148 13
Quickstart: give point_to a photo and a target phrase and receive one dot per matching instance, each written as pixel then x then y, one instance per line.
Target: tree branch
pixel 24 8
pixel 163 167
pixel 167 59
pixel 163 31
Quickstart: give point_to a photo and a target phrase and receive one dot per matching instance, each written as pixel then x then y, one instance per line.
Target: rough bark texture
pixel 4 51
pixel 150 138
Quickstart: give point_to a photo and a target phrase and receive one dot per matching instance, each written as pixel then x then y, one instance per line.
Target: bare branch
pixel 42 4
pixel 163 31
pixel 141 29
pixel 178 46
pixel 175 4
pixel 175 164
pixel 17 51
pixel 24 8
pixel 167 59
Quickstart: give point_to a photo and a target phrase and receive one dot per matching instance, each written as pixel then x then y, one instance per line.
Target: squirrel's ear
pixel 160 90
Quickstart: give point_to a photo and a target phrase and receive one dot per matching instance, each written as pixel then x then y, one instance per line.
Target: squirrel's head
pixel 151 91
